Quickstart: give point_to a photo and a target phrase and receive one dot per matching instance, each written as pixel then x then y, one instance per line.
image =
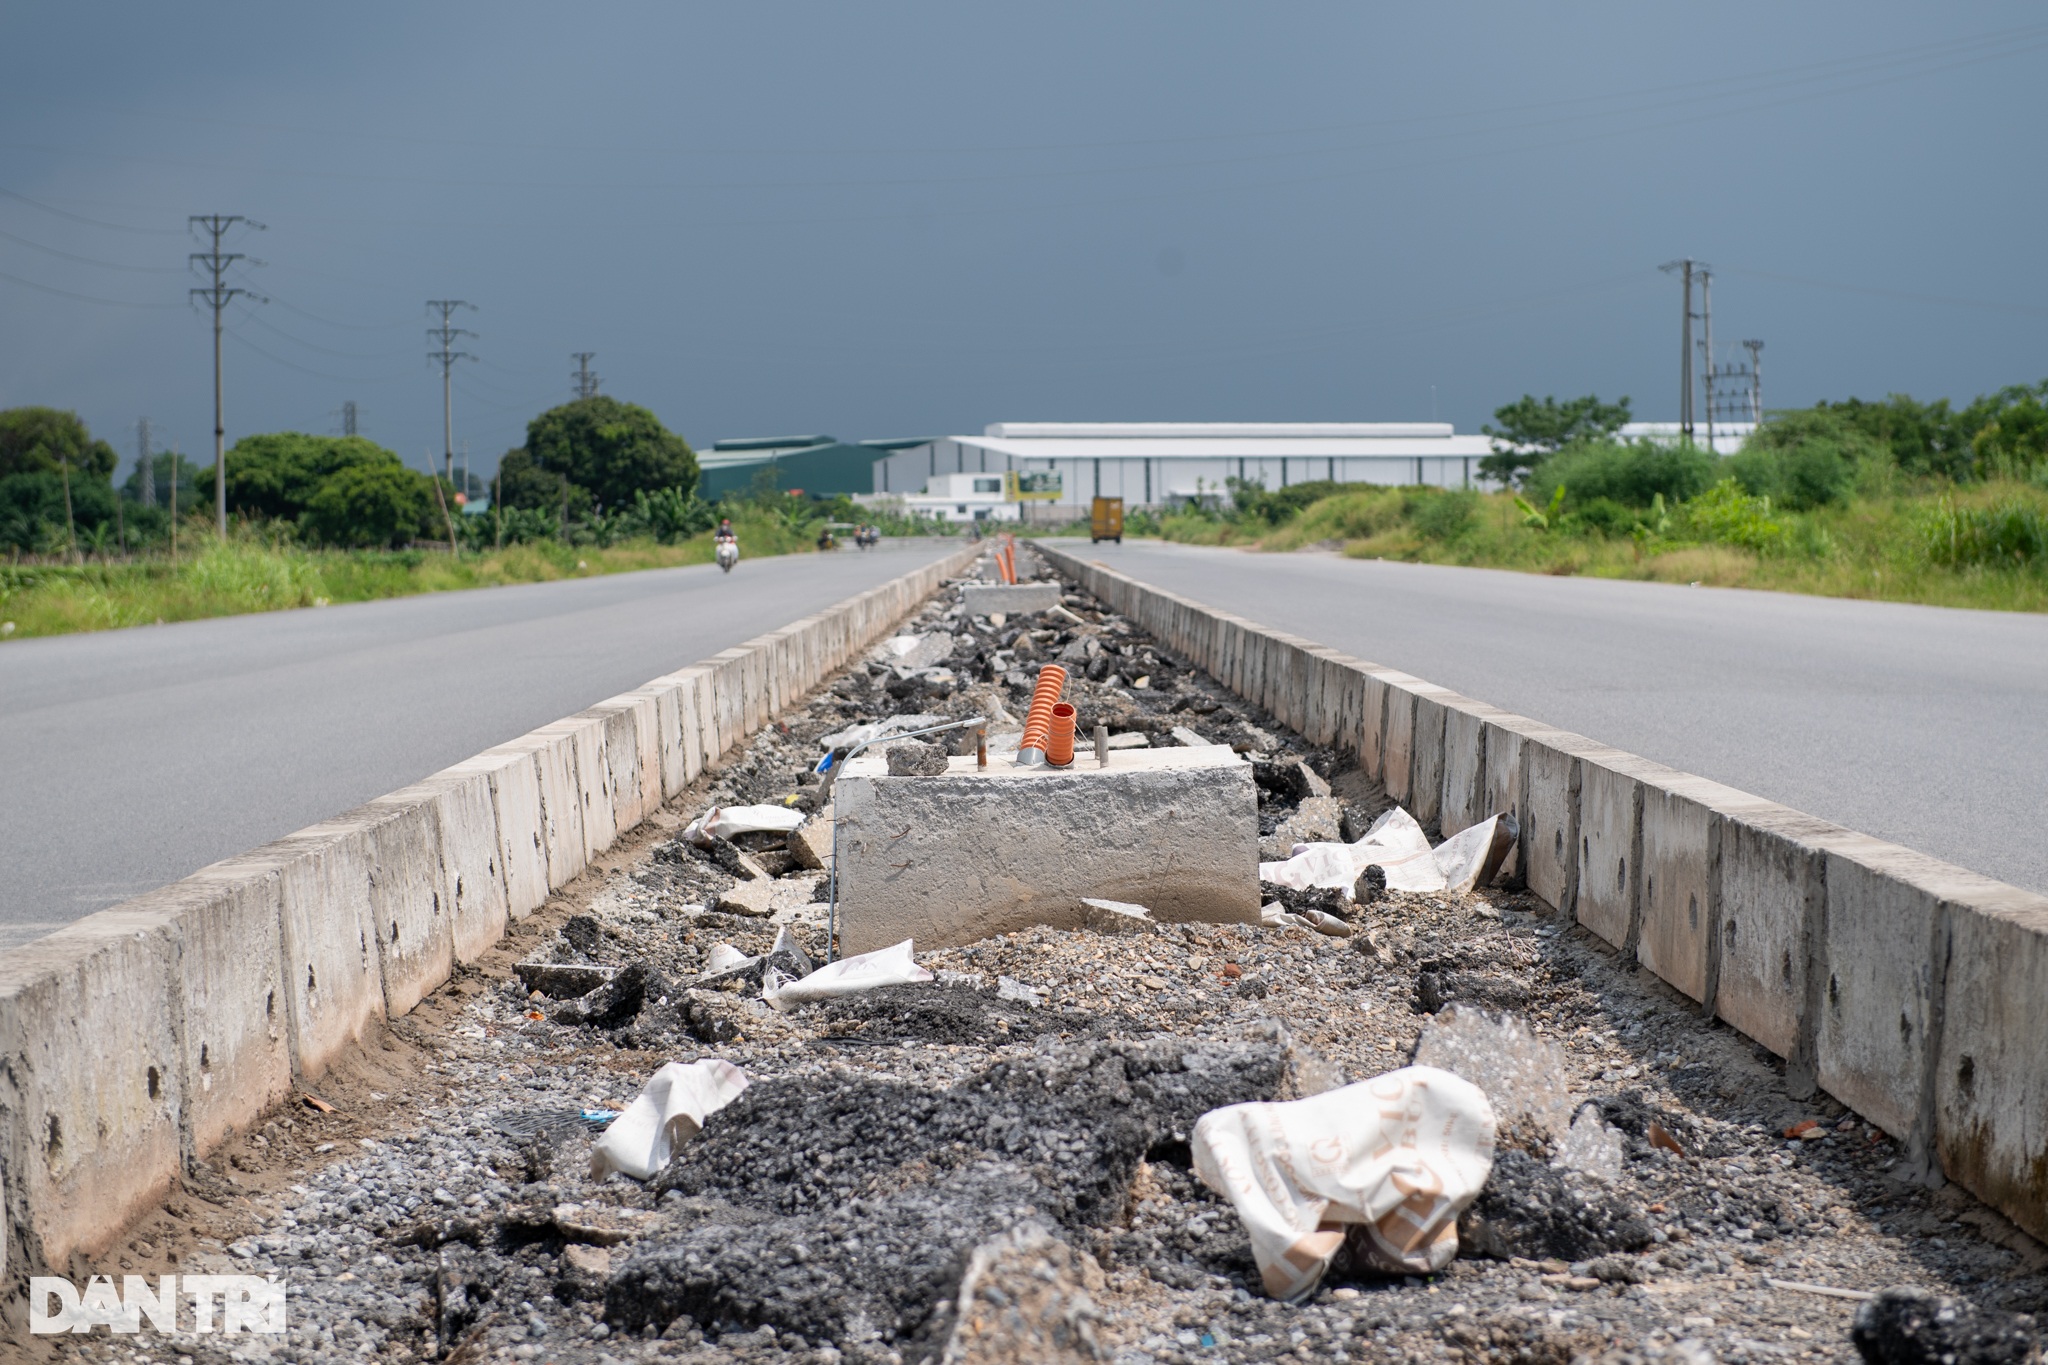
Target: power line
pixel 91 222
pixel 79 298
pixel 446 333
pixel 217 296
pixel 247 316
pixel 88 260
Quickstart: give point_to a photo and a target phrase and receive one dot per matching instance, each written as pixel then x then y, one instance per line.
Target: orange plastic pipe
pixel 1052 680
pixel 1059 743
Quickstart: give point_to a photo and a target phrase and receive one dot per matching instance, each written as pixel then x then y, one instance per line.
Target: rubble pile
pixel 995 1164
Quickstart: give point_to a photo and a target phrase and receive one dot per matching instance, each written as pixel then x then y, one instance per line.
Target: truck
pixel 1106 521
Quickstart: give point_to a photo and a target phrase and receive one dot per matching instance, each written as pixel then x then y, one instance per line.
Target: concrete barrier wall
pixel 144 1036
pixel 1909 989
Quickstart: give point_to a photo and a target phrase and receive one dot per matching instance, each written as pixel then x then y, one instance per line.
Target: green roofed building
pixel 817 466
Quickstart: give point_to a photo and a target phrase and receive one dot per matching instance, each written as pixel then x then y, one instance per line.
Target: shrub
pixel 1276 506
pixel 1726 514
pixel 1631 473
pixel 1806 459
pixel 2005 532
pixel 1604 515
pixel 1440 515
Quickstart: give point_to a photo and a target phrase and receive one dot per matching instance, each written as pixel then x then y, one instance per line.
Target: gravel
pixel 1645 1204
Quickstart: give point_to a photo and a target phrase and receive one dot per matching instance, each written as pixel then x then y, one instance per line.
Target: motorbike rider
pixel 725 532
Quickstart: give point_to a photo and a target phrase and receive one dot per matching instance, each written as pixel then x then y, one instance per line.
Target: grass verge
pixel 1955 547
pixel 247 574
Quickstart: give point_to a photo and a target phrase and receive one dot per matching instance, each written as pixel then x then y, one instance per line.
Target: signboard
pixel 1041 485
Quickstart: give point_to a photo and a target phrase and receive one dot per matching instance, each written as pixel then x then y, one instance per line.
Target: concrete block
pixel 472 859
pixel 561 801
pixel 700 726
pixel 410 916
pixel 1351 708
pixel 1426 755
pixel 949 860
pixel 632 755
pixel 1009 600
pixel 1991 1081
pixel 514 778
pixel 1610 863
pixel 811 845
pixel 91 1094
pixel 1464 766
pixel 1886 949
pixel 334 986
pixel 1397 750
pixel 671 757
pixel 1550 833
pixel 727 707
pixel 1500 786
pixel 1768 912
pixel 593 783
pixel 1680 841
pixel 234 1042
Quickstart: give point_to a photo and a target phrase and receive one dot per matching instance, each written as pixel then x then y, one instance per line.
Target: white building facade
pixel 1157 464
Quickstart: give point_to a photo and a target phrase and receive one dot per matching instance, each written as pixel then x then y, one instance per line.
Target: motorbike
pixel 728 554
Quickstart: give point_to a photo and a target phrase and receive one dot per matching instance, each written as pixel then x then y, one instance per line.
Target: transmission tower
pixel 217 295
pixel 445 334
pixel 145 467
pixel 586 381
pixel 1756 380
pixel 348 417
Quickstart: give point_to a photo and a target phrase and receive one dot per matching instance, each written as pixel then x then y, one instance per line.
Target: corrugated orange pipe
pixel 1059 742
pixel 1052 680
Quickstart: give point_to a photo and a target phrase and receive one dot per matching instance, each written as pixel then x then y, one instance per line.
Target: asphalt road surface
pixel 134 757
pixel 1925 726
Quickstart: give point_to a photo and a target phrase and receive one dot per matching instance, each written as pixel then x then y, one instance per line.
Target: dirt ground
pixel 432 1200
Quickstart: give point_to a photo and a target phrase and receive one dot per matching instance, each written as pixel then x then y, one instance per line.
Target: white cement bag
pixel 665 1115
pixel 847 976
pixel 1395 842
pixel 722 822
pixel 1387 1165
pixel 1463 857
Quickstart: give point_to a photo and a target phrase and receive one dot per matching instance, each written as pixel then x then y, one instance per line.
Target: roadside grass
pixel 1897 546
pixel 248 573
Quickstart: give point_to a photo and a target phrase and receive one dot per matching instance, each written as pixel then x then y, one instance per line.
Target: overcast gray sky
pixel 886 219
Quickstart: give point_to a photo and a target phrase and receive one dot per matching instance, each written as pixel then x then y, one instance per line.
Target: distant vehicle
pixel 1106 520
pixel 728 552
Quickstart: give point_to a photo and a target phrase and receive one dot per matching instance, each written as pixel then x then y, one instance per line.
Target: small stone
pixel 590 1260
pixel 915 758
pixel 749 898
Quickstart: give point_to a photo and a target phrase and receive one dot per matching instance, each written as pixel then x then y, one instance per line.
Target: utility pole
pixel 348 417
pixel 1707 350
pixel 446 333
pixel 217 295
pixel 586 382
pixel 145 467
pixel 1688 267
pixel 1756 380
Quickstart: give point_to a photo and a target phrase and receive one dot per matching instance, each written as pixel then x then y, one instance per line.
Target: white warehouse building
pixel 1152 464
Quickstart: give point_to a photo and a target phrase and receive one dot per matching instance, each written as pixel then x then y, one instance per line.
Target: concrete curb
pixel 1906 987
pixel 142 1037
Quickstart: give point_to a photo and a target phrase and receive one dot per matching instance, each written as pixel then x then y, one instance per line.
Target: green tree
pixel 277 474
pixel 2013 440
pixel 1530 431
pixel 1627 473
pixel 48 440
pixel 372 504
pixel 524 484
pixel 609 449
